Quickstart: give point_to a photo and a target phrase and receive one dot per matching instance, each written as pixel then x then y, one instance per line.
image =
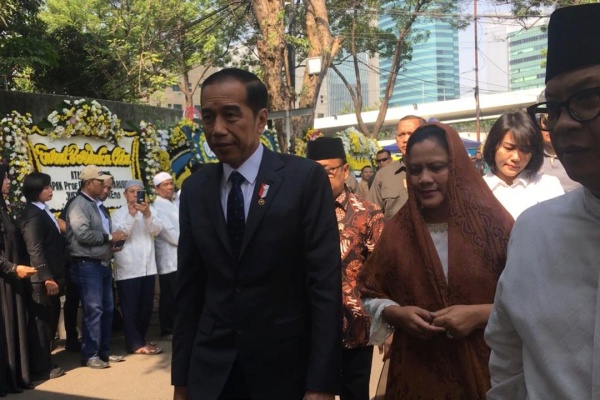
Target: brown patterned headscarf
pixel 405 267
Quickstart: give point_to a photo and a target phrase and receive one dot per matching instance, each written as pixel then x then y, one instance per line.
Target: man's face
pixel 366 173
pixel 107 186
pixel 166 189
pixel 545 137
pixel 577 144
pixel 337 172
pixel 231 128
pixel 131 194
pixel 405 129
pixel 94 188
pixel 383 159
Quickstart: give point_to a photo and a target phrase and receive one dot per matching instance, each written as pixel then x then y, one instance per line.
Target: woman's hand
pixel 460 320
pixel 23 271
pixel 413 320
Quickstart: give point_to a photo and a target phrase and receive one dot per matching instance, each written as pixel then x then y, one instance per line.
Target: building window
pixel 177 107
pixel 175 88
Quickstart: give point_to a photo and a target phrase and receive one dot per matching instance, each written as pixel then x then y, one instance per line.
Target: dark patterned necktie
pixel 236 222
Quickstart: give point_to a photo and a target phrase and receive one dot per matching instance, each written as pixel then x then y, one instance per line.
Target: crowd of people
pixel 440 286
pixel 277 277
pixel 81 254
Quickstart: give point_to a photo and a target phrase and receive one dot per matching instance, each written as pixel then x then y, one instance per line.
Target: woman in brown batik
pixel 433 274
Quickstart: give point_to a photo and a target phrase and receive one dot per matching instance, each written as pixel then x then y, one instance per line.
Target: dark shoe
pixel 73 346
pixel 54 372
pixel 112 358
pixel 96 363
pixel 168 337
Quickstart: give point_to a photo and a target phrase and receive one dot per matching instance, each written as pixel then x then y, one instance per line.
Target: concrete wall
pixel 40 105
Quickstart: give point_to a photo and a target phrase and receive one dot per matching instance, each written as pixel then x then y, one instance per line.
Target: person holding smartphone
pixel 135 266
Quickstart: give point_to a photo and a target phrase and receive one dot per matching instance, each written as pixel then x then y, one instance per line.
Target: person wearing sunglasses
pixel 545 322
pixel 388 190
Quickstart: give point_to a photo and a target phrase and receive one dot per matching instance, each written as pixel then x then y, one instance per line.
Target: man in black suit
pixel 258 288
pixel 48 251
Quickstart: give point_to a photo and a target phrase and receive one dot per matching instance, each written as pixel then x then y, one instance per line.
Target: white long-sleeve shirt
pixel 137 258
pixel 545 323
pixel 166 242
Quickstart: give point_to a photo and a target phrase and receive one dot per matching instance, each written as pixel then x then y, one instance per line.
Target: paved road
pixel 138 377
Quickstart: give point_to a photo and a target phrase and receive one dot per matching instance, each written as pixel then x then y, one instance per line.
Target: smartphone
pixel 119 243
pixel 141 196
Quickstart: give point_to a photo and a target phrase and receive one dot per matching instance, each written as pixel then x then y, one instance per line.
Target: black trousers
pixel 166 302
pixel 356 373
pixel 70 308
pixel 43 320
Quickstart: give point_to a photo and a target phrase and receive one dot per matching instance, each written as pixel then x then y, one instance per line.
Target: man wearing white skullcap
pixel 166 249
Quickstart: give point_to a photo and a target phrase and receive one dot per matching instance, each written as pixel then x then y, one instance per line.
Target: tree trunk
pixel 271 45
pixel 321 44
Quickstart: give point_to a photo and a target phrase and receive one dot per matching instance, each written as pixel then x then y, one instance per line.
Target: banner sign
pixel 63 159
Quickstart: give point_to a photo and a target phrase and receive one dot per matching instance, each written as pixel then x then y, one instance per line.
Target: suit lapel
pixel 269 179
pixel 212 195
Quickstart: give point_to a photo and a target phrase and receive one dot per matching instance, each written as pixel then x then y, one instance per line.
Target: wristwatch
pixel 109 237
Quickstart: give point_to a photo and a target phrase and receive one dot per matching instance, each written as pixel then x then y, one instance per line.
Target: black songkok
pixel 573 39
pixel 325 148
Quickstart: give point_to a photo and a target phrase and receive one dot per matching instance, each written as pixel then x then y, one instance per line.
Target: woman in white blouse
pixel 514 152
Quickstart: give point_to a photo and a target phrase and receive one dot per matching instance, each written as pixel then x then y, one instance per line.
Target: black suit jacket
pixel 47 248
pixel 278 307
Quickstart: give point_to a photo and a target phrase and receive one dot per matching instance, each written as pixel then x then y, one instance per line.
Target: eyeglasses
pixel 331 170
pixel 583 106
pixel 380 160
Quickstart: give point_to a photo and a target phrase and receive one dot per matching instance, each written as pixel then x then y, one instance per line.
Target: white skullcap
pixel 160 178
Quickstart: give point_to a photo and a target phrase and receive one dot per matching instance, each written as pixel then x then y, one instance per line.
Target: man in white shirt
pixel 135 267
pixel 545 324
pixel 166 249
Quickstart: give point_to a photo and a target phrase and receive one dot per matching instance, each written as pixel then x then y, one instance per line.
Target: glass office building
pixel 432 74
pixel 526 58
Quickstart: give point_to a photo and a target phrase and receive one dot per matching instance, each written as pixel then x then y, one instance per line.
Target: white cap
pixel 160 178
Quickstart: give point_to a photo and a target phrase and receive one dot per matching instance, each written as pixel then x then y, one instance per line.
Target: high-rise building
pixel 432 74
pixel 526 58
pixel 334 98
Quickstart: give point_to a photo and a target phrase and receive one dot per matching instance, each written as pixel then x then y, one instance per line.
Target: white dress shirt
pixel 523 193
pixel 249 170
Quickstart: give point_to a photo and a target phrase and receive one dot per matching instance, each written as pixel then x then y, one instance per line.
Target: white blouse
pixel 523 193
pixel 374 307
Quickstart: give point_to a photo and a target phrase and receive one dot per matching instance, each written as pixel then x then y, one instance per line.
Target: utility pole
pixel 477 108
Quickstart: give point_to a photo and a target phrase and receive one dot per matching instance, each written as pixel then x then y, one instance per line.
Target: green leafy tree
pixel 21 42
pixel 85 68
pixel 155 43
